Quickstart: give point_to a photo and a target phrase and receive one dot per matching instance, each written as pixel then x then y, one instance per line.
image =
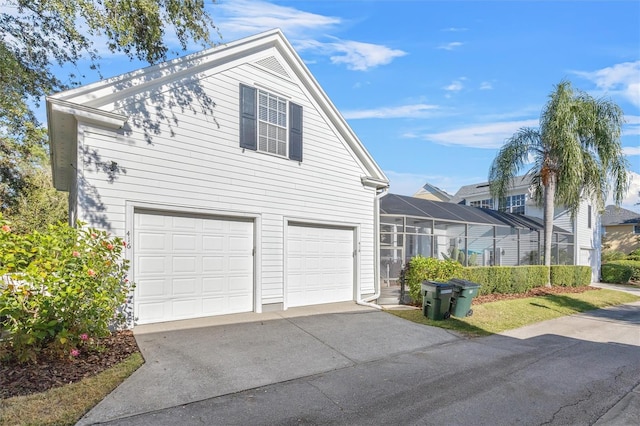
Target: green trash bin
pixel 463 293
pixel 436 298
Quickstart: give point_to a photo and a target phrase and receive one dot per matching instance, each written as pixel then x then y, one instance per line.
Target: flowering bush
pixel 58 288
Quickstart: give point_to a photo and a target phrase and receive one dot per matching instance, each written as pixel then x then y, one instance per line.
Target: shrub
pixel 505 279
pixel 634 255
pixel 59 289
pixel 422 268
pixel 616 274
pixel 635 252
pixel 611 255
pixel 570 275
pixel 634 265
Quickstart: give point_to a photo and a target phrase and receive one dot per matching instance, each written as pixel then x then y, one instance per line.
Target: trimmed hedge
pixel 616 274
pixel 505 279
pixel 634 265
pixel 570 275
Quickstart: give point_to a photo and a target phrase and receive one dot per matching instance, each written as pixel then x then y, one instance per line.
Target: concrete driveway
pixel 194 360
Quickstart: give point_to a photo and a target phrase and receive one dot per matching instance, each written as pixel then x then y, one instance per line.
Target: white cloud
pixel 631 150
pixel 632 198
pixel 403 111
pixel 454 29
pixel 360 56
pixel 632 125
pixel 238 18
pixel 491 135
pixel 619 80
pixel 486 85
pixel 455 86
pixel 306 31
pixel 450 46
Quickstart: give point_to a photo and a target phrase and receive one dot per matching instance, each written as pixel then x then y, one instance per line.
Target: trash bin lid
pixel 436 285
pixel 463 283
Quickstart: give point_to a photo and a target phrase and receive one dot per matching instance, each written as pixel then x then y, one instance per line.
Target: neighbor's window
pixel 515 204
pixel 483 204
pixel 636 229
pixel 589 217
pixel 272 123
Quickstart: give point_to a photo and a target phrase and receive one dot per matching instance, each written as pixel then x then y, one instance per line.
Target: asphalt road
pixel 578 370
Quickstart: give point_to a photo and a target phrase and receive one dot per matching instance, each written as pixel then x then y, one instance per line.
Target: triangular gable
pixel 90 103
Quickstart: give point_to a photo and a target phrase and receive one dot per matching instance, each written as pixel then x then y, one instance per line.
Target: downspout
pixel 376 254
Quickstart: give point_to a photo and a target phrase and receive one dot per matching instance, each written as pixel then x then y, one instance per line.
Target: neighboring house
pixel 620 229
pixel 433 193
pixel 585 227
pixel 235 182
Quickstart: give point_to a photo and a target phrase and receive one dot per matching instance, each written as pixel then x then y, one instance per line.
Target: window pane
pixel 272 115
pixel 390 263
pixel 479 245
pixel 417 245
pixel 391 223
pixel 529 254
pixel 391 239
pixel 419 226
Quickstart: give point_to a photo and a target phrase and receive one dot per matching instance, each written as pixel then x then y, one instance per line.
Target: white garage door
pixel 189 267
pixel 319 265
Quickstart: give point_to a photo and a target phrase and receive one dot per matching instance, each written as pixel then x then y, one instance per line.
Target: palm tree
pixel 575 154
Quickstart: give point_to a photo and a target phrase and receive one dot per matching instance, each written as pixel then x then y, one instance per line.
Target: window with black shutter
pixel 270 123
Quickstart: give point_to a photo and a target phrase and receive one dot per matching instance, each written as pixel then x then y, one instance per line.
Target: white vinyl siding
pixel 188 159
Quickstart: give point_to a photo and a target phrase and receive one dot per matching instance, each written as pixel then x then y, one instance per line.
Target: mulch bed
pixel 24 379
pixel 539 291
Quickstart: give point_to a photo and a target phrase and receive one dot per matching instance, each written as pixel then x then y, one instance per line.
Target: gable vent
pixel 272 64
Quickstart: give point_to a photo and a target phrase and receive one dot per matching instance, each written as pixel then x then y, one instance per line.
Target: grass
pixel 496 317
pixel 67 404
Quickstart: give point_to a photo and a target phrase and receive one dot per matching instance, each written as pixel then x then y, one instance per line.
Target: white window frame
pixel 273 135
pixel 483 204
pixel 516 201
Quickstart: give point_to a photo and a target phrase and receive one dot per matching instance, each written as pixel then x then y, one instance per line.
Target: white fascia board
pixel 374 182
pixel 87 114
pixel 104 92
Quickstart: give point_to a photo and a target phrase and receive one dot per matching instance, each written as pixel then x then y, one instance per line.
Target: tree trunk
pixel 549 204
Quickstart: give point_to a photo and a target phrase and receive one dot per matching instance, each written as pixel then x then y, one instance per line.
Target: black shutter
pixel 248 119
pixel 295 132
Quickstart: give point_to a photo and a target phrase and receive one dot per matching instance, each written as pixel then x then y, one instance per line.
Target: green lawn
pixel 495 317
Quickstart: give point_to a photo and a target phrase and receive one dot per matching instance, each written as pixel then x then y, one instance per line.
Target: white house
pixel 236 183
pixel 585 226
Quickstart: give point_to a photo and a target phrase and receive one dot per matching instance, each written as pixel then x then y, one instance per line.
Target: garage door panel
pixel 183 242
pixel 213 243
pixel 198 274
pixel 184 287
pixel 179 222
pixel 150 265
pixel 319 265
pixel 150 288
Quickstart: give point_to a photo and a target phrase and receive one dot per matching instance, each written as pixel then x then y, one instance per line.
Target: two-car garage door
pixel 189 267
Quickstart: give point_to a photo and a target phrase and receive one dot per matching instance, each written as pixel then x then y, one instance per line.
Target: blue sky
pixel 433 88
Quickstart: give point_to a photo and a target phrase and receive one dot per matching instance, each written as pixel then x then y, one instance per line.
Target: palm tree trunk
pixel 549 204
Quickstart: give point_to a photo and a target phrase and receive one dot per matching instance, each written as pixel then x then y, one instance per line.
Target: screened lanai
pixel 473 236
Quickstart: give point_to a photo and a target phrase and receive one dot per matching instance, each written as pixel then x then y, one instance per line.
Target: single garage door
pixel 189 267
pixel 319 265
